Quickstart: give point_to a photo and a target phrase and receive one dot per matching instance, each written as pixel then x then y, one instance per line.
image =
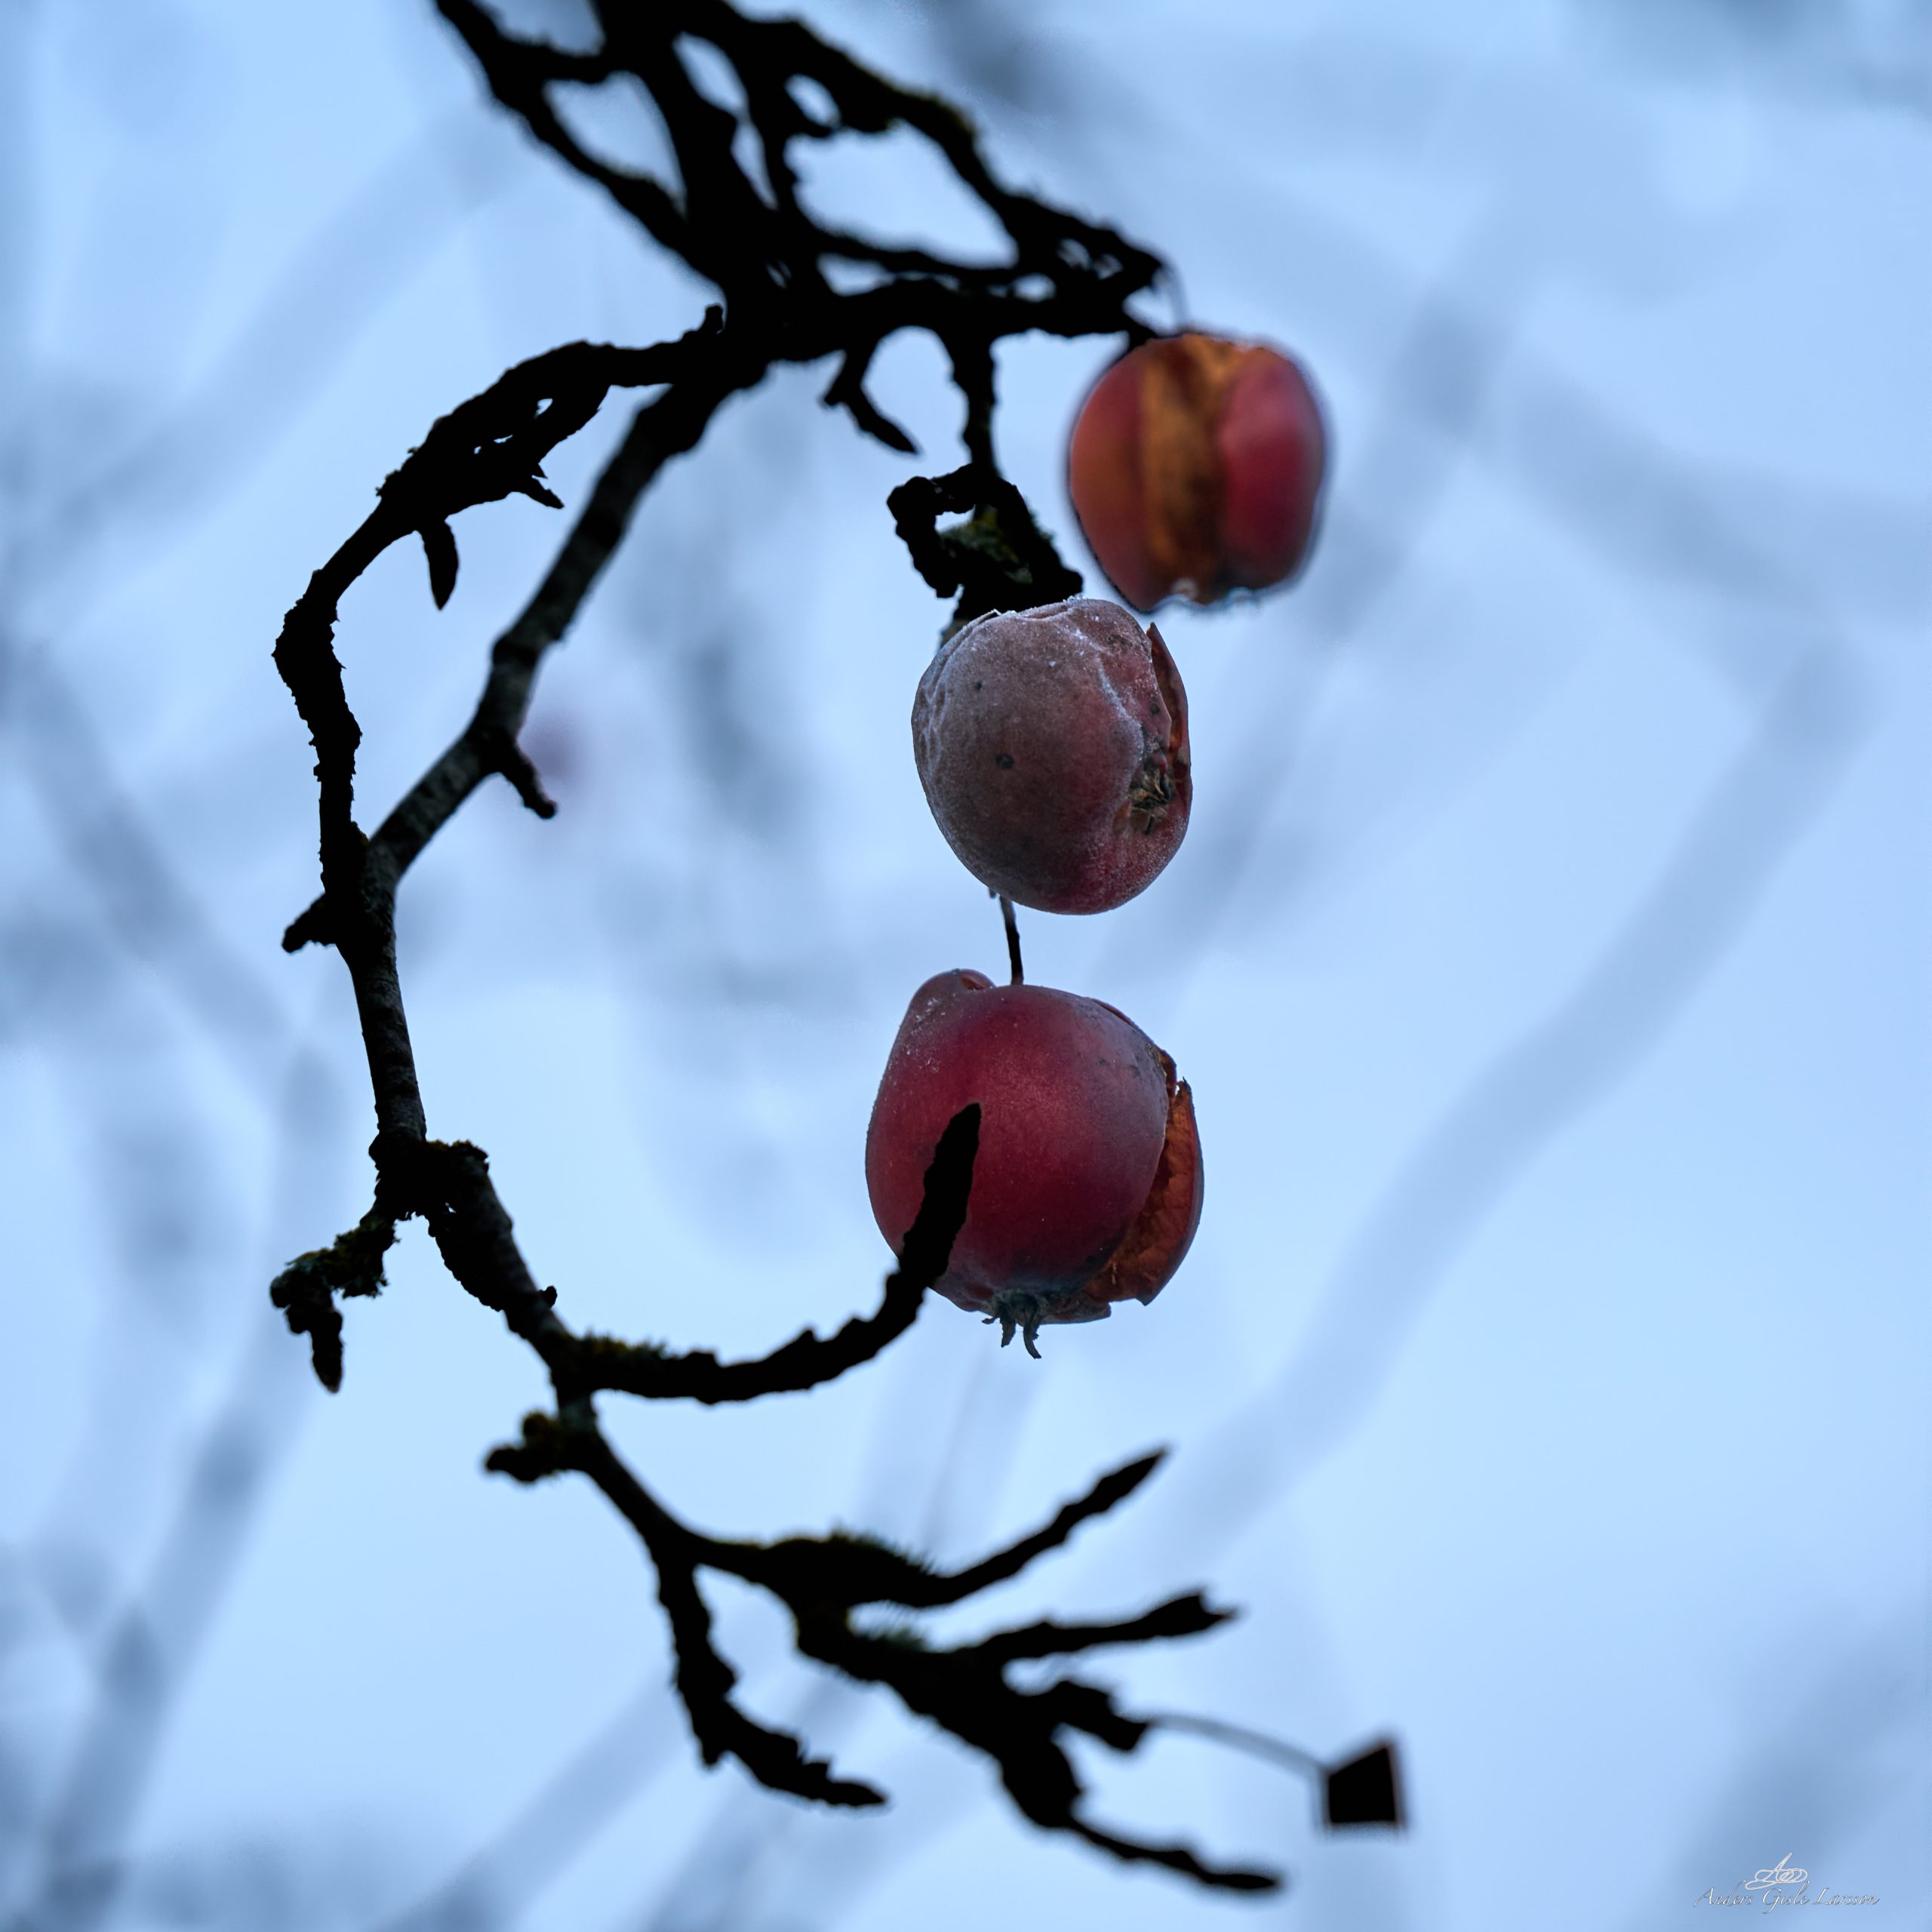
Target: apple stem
pixel 1012 940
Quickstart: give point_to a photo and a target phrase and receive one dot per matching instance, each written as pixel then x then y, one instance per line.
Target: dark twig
pixel 1290 1757
pixel 821 1580
pixel 305 1289
pixel 805 1361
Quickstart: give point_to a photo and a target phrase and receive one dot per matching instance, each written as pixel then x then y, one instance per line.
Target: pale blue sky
pixel 1547 955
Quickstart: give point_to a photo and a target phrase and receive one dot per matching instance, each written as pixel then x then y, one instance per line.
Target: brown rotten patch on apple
pixel 1165 772
pixel 1154 1248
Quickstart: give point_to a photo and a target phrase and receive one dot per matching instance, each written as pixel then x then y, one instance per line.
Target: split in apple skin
pixel 1196 467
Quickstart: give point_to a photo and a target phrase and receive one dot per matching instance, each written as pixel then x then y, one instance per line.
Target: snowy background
pixel 1547 955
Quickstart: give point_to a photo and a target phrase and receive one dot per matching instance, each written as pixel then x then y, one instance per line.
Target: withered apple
pixel 1052 744
pixel 1195 469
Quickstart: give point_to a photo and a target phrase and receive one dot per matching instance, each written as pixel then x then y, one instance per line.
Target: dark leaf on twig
pixel 439 547
pixel 1367 1790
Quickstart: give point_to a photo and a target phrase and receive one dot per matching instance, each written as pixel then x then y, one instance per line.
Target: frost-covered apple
pixel 1087 1184
pixel 1052 744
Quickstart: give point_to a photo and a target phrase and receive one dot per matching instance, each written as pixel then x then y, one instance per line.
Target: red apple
pixel 1086 1185
pixel 1195 469
pixel 1052 744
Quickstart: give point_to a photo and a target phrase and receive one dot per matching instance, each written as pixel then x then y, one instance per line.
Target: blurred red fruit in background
pixel 1195 469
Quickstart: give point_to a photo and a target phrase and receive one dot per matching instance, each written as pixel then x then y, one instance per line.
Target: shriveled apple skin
pixel 1052 746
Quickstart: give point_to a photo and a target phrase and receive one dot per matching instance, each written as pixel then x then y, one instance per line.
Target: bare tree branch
pixel 766 253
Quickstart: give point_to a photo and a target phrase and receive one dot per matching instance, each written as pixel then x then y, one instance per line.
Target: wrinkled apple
pixel 1052 744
